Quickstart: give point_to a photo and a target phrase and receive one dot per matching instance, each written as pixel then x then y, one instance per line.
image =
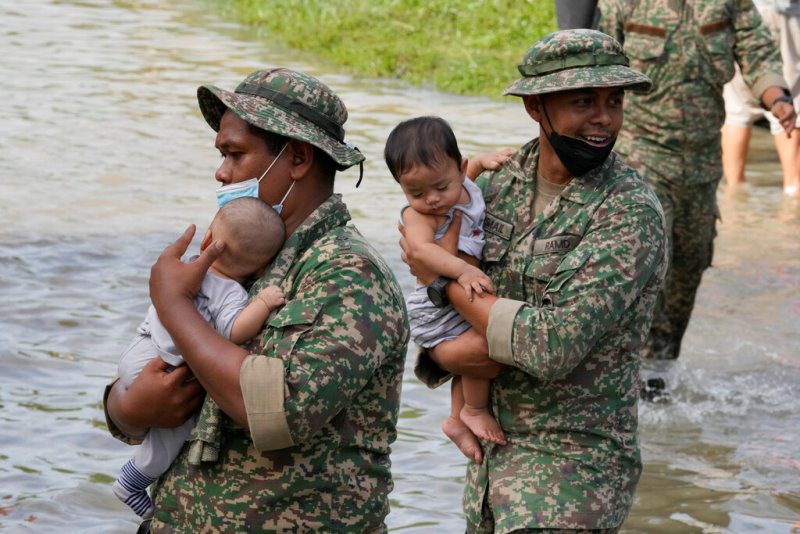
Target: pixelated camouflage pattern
pixel 303 91
pixel 565 531
pixel 575 59
pixel 672 135
pixel 342 337
pixel 691 213
pixel 688 49
pixel 569 406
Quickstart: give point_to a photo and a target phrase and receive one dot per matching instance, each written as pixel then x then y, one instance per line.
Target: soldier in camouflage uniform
pixel 577 278
pixel 294 432
pixel 672 134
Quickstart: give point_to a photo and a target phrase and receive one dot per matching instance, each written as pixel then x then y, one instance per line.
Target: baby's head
pixel 253 233
pixel 422 154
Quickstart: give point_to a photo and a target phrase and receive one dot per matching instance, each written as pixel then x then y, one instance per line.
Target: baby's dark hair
pixel 420 141
pixel 254 232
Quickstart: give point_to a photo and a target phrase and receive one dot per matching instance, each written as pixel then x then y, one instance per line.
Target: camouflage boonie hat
pixel 289 103
pixel 576 59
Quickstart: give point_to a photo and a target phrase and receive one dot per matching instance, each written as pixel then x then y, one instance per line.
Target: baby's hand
pixel 473 279
pixel 272 297
pixel 487 161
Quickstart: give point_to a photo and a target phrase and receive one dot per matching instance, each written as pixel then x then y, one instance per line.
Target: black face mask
pixel 579 157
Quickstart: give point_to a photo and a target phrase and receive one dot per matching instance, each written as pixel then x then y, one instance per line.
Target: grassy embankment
pixel 460 46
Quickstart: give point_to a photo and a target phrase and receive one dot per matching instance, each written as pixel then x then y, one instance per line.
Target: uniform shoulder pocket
pixel 296 313
pixel 287 328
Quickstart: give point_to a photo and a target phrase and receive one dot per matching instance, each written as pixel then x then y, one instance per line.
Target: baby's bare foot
pixel 464 439
pixel 482 424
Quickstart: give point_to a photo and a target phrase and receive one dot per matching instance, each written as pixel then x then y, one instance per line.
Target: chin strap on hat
pixel 360 173
pixel 360 164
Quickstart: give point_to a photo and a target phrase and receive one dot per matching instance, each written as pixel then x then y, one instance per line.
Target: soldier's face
pixel 245 155
pixel 592 115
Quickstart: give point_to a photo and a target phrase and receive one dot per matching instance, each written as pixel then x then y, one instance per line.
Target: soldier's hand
pixel 172 280
pixel 786 115
pixel 158 397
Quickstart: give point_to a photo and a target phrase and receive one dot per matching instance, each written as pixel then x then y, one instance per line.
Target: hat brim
pixel 581 78
pixel 266 115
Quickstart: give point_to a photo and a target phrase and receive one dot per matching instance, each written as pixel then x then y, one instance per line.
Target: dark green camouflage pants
pixel 486 526
pixel 691 213
pixel 565 531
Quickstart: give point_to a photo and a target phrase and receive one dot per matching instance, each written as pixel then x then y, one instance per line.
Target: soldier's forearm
pixel 124 419
pixel 214 360
pixel 771 95
pixel 475 311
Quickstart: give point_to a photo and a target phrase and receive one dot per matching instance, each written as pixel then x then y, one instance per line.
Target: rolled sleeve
pixel 116 429
pixel 262 382
pixel 500 330
pixel 767 81
pixel 428 372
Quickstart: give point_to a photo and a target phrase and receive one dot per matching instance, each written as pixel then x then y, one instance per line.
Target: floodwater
pixel 104 159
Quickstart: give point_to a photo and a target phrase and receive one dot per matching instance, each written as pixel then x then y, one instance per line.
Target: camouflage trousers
pixel 486 526
pixel 566 531
pixel 691 213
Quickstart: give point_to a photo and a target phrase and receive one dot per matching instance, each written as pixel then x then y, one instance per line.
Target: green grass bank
pixel 460 46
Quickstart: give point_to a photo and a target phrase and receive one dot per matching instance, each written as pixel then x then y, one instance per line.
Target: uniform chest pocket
pixel 566 270
pixel 644 45
pixel 496 265
pixel 539 272
pixel 542 268
pixel 548 254
pixel 719 40
pixel 286 328
pixel 494 249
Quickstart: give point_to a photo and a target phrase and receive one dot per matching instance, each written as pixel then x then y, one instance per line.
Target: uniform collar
pixel 523 166
pixel 329 215
pixel 582 189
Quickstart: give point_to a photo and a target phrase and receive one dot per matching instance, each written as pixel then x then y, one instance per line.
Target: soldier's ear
pixel 533 105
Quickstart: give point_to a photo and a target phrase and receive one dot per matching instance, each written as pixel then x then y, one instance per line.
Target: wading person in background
pixel 742 109
pixel 572 14
pixel 295 429
pixel 576 250
pixel 672 134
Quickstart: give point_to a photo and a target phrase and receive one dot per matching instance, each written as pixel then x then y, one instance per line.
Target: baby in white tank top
pixel 422 155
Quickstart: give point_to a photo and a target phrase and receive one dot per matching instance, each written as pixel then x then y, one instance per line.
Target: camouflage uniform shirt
pixel 688 49
pixel 577 285
pixel 321 388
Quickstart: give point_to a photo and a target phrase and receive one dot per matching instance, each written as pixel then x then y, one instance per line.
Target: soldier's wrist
pixel 785 97
pixel 782 98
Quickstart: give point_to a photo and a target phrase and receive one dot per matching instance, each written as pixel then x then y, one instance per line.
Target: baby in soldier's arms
pixel 253 233
pixel 423 156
